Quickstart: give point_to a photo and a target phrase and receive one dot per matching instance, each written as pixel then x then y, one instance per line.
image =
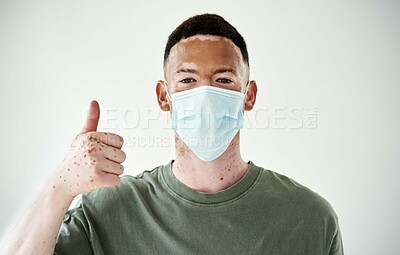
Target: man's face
pixel 205 60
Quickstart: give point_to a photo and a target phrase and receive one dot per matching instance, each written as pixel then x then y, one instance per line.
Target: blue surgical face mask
pixel 207 118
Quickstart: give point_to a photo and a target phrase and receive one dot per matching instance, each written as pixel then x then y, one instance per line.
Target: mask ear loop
pixel 168 95
pixel 245 93
pixel 166 90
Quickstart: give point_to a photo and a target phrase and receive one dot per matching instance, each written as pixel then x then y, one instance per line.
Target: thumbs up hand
pixel 94 160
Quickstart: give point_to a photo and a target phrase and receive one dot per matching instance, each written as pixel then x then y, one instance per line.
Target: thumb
pixel 92 118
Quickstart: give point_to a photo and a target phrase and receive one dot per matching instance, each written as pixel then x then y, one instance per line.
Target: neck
pixel 209 176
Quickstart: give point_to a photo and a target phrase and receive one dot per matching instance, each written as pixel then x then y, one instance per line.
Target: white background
pixel 340 58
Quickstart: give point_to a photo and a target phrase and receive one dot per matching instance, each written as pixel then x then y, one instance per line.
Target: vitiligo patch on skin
pixel 205 38
pixel 197 51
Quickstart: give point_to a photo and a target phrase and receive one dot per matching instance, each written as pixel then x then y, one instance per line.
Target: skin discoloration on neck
pixel 210 176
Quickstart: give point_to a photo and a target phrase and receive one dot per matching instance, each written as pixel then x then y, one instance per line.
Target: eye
pixel 224 80
pixel 187 80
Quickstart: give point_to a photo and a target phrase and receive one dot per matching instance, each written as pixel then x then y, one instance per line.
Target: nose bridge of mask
pixel 169 95
pixel 206 105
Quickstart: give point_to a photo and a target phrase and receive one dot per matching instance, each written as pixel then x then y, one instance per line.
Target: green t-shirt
pixel 154 213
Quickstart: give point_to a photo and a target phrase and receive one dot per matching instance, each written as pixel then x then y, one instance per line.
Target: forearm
pixel 37 232
pixel 86 167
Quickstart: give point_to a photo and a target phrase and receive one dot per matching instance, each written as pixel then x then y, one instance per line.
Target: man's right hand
pixel 94 160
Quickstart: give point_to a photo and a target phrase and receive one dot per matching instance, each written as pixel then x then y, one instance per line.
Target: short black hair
pixel 206 24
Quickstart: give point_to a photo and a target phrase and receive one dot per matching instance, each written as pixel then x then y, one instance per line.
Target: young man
pixel 207 200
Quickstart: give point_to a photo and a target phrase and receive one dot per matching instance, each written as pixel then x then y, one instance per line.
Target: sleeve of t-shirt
pixel 337 244
pixel 73 234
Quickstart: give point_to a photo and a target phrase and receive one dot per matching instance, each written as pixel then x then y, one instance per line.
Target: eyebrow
pixel 225 70
pixel 218 71
pixel 186 70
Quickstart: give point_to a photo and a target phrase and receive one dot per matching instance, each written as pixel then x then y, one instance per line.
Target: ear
pixel 251 95
pixel 162 97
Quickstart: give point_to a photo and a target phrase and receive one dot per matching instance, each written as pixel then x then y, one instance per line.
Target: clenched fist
pixel 94 160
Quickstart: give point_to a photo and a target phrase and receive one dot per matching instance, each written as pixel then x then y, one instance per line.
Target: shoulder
pixel 295 206
pixel 293 195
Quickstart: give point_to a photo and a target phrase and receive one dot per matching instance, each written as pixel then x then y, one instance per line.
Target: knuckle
pixel 91 151
pixel 96 163
pixel 91 136
pixel 87 135
pixel 98 173
pixel 91 148
pixel 94 166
